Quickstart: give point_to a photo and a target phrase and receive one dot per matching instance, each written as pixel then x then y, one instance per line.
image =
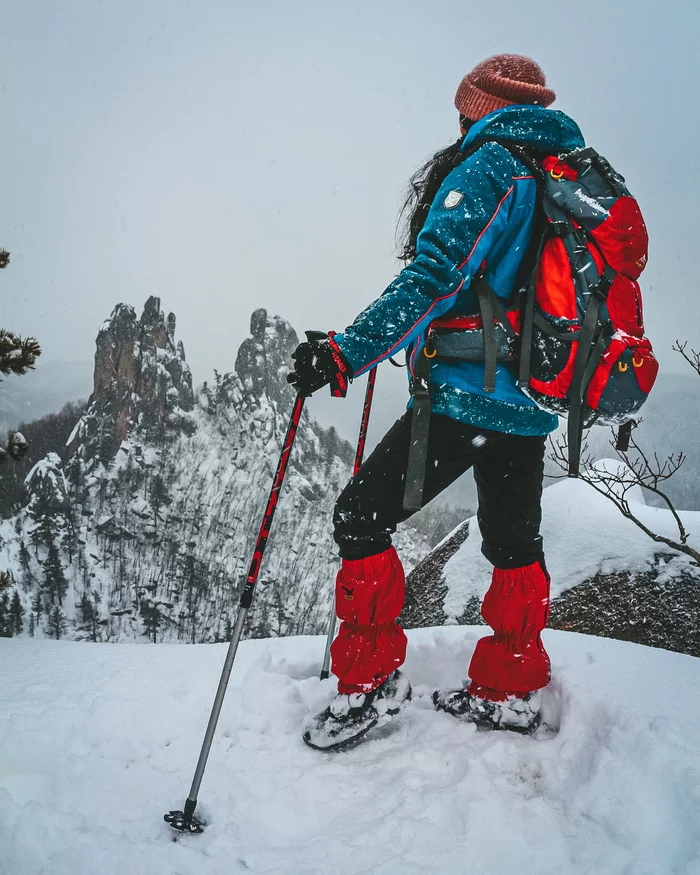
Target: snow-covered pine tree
pixel 5 623
pixel 37 607
pixel 55 583
pixel 17 356
pixel 56 623
pixel 16 613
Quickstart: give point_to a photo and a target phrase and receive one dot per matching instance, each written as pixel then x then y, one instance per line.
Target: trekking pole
pixel 184 821
pixel 369 392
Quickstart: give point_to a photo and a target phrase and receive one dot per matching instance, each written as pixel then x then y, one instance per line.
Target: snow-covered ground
pixel 97 742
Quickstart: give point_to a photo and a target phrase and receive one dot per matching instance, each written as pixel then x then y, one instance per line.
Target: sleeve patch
pixel 452 200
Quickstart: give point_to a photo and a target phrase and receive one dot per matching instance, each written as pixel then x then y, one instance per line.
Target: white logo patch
pixel 452 199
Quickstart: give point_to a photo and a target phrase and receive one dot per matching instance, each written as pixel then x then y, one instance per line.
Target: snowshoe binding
pixel 516 714
pixel 349 717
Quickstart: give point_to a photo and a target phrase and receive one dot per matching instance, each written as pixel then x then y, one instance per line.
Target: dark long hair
pixel 421 191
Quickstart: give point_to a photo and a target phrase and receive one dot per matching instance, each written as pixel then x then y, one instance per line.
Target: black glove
pixel 318 362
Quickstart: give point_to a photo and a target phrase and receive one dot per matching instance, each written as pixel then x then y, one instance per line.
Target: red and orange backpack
pixel 575 330
pixel 583 349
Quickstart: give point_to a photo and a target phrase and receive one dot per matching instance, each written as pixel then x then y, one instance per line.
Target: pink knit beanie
pixel 501 81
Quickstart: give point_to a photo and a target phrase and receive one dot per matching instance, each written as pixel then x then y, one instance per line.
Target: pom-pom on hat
pixel 501 81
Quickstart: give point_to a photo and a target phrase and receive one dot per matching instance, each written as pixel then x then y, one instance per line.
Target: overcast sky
pixel 232 155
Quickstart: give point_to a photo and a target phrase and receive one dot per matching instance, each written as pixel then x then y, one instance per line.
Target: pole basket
pixel 178 821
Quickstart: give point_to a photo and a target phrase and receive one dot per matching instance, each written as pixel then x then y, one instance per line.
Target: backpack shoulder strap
pixel 524 283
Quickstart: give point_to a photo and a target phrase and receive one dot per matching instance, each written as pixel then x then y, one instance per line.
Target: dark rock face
pixel 646 608
pixel 115 372
pixel 141 380
pixel 425 586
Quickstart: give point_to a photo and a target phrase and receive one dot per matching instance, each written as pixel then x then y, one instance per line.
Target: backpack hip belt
pixel 488 339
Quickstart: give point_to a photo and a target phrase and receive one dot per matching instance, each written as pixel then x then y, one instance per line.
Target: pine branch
pixel 4 258
pixel 5 580
pixel 16 448
pixel 17 355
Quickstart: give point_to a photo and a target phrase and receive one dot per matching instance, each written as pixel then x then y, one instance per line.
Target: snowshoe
pixel 349 717
pixel 516 714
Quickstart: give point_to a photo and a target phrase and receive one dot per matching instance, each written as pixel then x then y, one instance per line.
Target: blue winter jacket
pixel 492 221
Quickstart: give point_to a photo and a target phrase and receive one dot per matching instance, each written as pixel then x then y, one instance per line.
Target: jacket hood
pixel 528 125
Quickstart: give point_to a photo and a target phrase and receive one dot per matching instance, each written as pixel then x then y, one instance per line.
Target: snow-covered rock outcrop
pixel 608 577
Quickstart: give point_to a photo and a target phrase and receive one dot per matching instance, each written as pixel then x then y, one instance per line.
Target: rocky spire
pixel 141 380
pixel 264 359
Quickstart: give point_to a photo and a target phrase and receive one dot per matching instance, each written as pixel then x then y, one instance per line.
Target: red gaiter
pixel 512 661
pixel 370 644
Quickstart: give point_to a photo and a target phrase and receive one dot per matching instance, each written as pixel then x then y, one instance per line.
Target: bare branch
pixel 623 506
pixel 693 358
pixel 640 471
pixel 559 454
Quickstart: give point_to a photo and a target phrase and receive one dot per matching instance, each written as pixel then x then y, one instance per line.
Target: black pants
pixel 508 470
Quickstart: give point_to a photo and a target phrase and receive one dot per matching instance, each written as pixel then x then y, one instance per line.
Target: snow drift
pixel 98 742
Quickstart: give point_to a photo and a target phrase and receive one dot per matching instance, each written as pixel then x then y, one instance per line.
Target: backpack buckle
pixel 418 386
pixel 602 288
pixel 561 229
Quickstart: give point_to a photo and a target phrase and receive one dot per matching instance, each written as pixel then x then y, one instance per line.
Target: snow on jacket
pixel 491 222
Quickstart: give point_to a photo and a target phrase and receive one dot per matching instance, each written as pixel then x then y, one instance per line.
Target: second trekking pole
pixel 185 821
pixel 361 440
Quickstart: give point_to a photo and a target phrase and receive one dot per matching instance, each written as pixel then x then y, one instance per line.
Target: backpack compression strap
pixel 590 348
pixel 420 428
pixel 493 314
pixel 435 347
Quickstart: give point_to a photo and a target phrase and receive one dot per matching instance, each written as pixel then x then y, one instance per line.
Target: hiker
pixel 470 219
